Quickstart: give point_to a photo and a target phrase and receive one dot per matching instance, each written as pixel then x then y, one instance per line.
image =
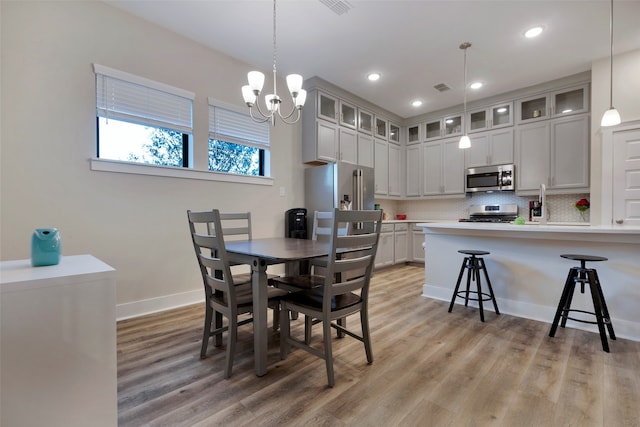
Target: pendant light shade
pixel 465 142
pixel 611 117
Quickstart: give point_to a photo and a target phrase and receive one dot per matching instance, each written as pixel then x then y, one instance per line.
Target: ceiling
pixel 413 44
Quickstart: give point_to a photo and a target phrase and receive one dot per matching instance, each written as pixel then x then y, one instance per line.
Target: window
pixel 142 121
pixel 237 144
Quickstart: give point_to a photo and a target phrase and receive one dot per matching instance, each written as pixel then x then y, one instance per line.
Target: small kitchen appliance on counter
pixel 491 213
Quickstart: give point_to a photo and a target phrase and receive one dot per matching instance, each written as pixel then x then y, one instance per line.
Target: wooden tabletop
pixel 279 248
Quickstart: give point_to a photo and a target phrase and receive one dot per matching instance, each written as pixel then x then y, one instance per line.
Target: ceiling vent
pixel 441 87
pixel 339 7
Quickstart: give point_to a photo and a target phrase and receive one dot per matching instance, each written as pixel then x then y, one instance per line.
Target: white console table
pixel 58 343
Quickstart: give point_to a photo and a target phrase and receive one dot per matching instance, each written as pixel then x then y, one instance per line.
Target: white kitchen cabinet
pixel 417 239
pixel 381 167
pixel 443 166
pixel 380 128
pixel 365 150
pixel 348 145
pixel 413 134
pixel 414 171
pixel 386 245
pixel 493 117
pixel 570 153
pixel 432 168
pixel 493 147
pixel 401 243
pixel 433 130
pixel 532 148
pixel 365 122
pixel 320 141
pixel 348 115
pixel 394 133
pixel 559 103
pixel 554 153
pixel 444 127
pixel 395 171
pixel 327 106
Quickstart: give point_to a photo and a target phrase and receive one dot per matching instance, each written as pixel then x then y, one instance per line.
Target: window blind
pixel 131 98
pixel 228 125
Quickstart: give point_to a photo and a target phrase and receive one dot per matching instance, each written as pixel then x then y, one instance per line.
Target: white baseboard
pixel 622 328
pixel 153 305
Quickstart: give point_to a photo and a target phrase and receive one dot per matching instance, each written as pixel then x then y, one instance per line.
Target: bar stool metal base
pixel 584 276
pixel 473 264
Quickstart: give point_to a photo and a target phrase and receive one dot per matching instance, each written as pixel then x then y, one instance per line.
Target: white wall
pixel 135 223
pixel 626 98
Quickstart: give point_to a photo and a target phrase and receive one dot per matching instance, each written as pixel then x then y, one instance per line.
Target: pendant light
pixel 611 117
pixel 251 92
pixel 465 142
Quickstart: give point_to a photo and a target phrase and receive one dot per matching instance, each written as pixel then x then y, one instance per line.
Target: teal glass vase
pixel 46 247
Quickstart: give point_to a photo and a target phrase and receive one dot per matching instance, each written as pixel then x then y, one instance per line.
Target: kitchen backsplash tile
pixel 561 207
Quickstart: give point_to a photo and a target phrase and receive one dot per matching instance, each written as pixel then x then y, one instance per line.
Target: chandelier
pixel 465 142
pixel 251 92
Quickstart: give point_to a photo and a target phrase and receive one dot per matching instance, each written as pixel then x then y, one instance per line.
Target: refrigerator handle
pixel 359 184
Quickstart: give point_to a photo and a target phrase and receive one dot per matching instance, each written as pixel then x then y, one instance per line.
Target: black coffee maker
pixel 535 209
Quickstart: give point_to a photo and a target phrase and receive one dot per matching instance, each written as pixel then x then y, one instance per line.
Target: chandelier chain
pixel 274 35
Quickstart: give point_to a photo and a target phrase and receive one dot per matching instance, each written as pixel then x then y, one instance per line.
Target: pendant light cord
pixel 611 55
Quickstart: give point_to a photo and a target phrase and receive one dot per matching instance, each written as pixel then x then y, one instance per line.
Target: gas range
pixel 492 213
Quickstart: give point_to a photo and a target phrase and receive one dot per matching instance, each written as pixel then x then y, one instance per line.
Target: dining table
pixel 260 253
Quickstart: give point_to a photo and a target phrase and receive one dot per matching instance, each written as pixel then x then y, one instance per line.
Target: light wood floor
pixel 431 368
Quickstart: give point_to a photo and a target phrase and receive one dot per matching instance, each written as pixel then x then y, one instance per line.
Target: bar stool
pixel 584 276
pixel 473 264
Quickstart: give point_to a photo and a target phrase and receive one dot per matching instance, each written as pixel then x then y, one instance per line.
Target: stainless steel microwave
pixel 490 178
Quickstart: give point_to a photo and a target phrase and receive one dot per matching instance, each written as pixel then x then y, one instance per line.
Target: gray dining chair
pixel 322 229
pixel 223 296
pixel 344 291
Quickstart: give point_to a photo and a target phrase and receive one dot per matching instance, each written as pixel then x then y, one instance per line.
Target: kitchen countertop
pixel 561 231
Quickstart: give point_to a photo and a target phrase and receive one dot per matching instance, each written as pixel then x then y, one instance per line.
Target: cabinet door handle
pixel 619 221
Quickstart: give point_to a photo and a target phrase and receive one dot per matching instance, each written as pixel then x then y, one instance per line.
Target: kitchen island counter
pixel 527 272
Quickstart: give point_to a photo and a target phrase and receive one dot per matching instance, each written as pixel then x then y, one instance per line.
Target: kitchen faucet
pixel 542 198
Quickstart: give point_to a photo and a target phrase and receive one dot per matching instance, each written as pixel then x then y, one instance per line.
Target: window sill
pixel 173 172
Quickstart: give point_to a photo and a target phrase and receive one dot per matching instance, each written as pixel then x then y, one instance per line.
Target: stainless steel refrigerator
pixel 338 185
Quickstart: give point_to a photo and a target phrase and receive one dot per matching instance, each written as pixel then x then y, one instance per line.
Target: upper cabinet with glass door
pixel 365 121
pixel 348 115
pixel 394 133
pixel 380 128
pixel 570 101
pixel 496 116
pixel 413 134
pixel 453 125
pixel 327 107
pixel 560 103
pixel 443 127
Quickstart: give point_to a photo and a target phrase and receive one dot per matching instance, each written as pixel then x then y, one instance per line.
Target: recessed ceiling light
pixel 476 85
pixel 416 103
pixel 533 32
pixel 374 76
